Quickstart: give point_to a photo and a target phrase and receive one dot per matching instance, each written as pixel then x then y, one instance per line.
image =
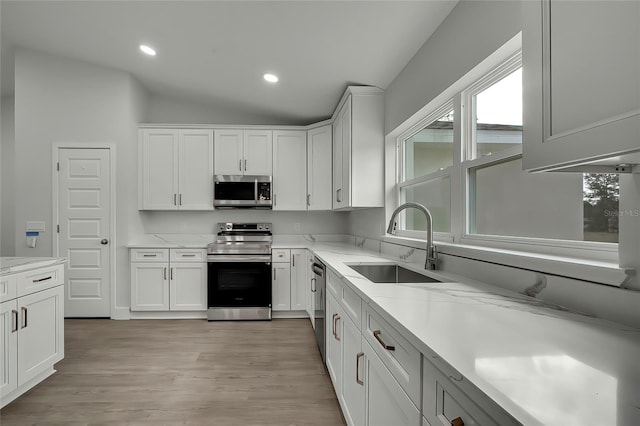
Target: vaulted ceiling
pixel 215 52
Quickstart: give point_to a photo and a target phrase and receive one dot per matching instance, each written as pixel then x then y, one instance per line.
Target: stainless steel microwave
pixel 238 191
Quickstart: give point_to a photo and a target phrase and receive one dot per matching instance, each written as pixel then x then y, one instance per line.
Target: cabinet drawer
pixel 280 255
pixel 149 255
pixel 188 255
pixel 352 305
pixel 39 279
pixel 445 400
pixel 400 357
pixel 8 287
pixel 334 285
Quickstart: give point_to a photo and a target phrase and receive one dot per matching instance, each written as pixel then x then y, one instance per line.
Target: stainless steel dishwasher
pixel 318 286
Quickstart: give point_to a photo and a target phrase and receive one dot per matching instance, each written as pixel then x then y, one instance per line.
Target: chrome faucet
pixel 431 262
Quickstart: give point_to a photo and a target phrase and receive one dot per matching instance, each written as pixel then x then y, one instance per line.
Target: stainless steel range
pixel 239 272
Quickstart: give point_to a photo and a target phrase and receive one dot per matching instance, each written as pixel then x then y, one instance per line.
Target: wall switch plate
pixel 35 226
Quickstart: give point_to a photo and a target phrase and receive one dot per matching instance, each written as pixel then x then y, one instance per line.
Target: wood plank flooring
pixel 183 372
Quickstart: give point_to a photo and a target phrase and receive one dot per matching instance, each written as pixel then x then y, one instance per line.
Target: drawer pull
pixel 39 280
pixel 358 356
pixel 457 422
pixel 188 255
pixel 14 320
pixel 149 255
pixel 376 334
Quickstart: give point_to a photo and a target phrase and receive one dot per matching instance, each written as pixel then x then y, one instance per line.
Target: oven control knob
pixel 229 226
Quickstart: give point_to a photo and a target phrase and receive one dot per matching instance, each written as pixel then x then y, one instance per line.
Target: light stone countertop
pixel 10 265
pixel 541 363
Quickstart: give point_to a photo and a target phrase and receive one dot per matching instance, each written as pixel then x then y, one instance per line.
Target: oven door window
pixel 239 284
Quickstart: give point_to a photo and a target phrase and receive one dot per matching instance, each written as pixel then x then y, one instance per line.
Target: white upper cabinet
pixel 176 169
pixel 319 160
pixel 289 170
pixel 581 81
pixel 243 152
pixel 358 149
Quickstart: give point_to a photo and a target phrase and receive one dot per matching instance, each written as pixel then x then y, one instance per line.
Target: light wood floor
pixel 169 372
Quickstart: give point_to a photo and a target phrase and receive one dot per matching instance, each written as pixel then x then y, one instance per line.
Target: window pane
pixel 601 193
pixel 508 201
pixel 431 149
pixel 499 116
pixel 435 195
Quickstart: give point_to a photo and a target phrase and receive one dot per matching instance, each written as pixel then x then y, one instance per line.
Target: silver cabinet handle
pixel 240 165
pixel 358 356
pixel 339 195
pixel 149 255
pixel 180 199
pixel 188 255
pixel 274 274
pixel 175 199
pixel 245 165
pixel 25 311
pixel 308 200
pixel 293 260
pixel 171 274
pixel 14 320
pixel 336 318
pixel 39 280
pixel 164 273
pixel 313 286
pixel 376 334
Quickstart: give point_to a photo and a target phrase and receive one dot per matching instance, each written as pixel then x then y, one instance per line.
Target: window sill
pixel 599 272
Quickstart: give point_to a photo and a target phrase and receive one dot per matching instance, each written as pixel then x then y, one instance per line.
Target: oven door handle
pixel 218 258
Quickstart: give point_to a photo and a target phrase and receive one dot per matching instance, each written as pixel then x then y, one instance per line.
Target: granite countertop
pixel 541 363
pixel 9 265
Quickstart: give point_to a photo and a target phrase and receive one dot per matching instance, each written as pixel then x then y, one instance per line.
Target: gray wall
pixel 61 100
pixel 7 178
pixel 472 31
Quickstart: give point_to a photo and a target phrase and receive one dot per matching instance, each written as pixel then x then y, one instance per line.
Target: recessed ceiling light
pixel 271 78
pixel 148 50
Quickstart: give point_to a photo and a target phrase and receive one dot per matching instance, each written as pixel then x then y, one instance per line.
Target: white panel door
pixel 299 287
pixel 319 168
pixel 41 340
pixel 188 287
pixel 281 287
pixel 8 347
pixel 352 374
pixel 290 170
pixel 85 234
pixel 333 343
pixel 337 163
pixel 160 169
pixel 257 153
pixel 195 170
pixel 345 194
pixel 149 286
pixel 228 152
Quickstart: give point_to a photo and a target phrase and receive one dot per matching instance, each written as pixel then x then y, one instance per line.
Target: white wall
pixel 7 178
pixel 62 100
pixel 162 109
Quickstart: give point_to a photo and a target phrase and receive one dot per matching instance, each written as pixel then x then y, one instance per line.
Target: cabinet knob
pixel 457 422
pixel 104 242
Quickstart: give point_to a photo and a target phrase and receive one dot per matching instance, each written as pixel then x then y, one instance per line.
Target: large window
pixel 468 150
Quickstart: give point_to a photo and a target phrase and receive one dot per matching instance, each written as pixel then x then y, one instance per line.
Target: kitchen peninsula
pixel 31 322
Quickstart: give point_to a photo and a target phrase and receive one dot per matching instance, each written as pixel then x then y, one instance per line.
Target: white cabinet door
pixel 338 201
pixel 257 152
pixel 299 280
pixel 581 75
pixel 311 290
pixel 290 170
pixel 228 152
pixel 41 332
pixel 333 342
pixel 8 347
pixel 386 401
pixel 281 287
pixel 353 384
pixel 345 192
pixel 319 156
pixel 150 286
pixel 158 170
pixel 195 170
pixel 188 286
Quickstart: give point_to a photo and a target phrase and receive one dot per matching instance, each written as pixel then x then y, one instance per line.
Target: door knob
pixel 104 242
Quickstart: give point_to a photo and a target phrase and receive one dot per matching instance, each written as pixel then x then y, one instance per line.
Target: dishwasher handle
pixel 318 270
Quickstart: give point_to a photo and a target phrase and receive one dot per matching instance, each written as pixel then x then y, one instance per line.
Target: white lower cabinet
pixel 31 338
pixel 168 280
pixel 353 379
pixel 281 287
pixel 333 342
pixel 290 280
pixel 299 279
pixel 387 403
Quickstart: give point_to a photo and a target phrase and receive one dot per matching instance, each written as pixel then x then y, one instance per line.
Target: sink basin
pixel 391 273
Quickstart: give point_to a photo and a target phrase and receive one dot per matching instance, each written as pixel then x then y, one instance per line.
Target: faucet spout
pixel 431 262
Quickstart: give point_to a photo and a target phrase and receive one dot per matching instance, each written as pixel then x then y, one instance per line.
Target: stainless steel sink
pixel 391 273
